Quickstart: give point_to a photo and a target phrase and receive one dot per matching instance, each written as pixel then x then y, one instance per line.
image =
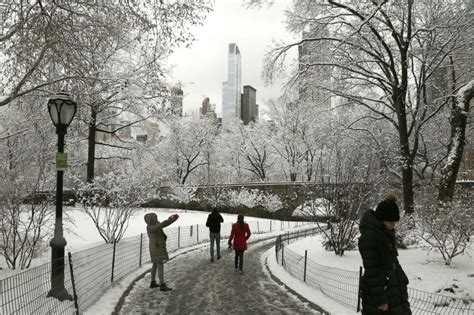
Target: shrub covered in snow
pixel 243 197
pixel 270 202
pixel 445 227
pixel 110 202
pixel 183 193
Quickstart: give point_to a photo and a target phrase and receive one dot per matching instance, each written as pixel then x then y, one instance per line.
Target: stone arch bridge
pixel 292 194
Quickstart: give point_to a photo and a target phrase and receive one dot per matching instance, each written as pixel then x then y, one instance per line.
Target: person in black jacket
pixel 384 283
pixel 213 222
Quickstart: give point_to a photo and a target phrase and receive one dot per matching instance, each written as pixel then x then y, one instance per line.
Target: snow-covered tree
pixel 446 228
pixel 257 150
pixel 243 197
pixel 37 35
pixel 457 141
pixel 184 147
pixel 380 55
pixel 183 193
pixel 111 200
pixel 26 218
pixel 270 202
pixel 231 147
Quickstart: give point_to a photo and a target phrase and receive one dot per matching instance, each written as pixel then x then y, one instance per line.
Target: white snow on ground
pixel 425 270
pixel 84 234
pixel 81 233
pixel 195 258
pixel 306 291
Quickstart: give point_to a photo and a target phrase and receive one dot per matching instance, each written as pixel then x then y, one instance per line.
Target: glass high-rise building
pixel 231 89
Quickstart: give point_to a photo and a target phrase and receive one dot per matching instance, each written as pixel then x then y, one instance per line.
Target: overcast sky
pixel 203 67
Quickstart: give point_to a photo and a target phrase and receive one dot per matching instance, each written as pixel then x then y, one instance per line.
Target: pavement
pixel 204 287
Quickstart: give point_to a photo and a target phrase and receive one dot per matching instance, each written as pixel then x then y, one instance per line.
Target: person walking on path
pixel 240 234
pixel 213 222
pixel 384 283
pixel 157 246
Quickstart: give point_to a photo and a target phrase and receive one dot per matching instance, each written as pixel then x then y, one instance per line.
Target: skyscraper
pixel 315 76
pixel 231 99
pixel 249 105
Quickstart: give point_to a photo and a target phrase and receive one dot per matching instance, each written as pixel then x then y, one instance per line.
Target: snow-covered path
pixel 202 287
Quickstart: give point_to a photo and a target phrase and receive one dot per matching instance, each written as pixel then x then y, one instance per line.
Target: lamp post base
pixel 60 294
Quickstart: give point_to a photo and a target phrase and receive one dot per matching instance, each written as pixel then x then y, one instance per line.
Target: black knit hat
pixel 387 210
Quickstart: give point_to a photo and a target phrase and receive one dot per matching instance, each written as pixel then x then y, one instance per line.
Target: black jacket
pixel 214 222
pixel 384 281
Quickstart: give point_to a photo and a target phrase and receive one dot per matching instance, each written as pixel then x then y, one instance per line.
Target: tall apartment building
pixel 176 100
pixel 309 53
pixel 207 109
pixel 249 110
pixel 231 89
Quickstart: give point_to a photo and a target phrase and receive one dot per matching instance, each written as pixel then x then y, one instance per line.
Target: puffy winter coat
pixel 157 243
pixel 214 221
pixel 240 236
pixel 384 281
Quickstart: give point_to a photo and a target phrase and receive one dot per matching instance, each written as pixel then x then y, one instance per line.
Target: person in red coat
pixel 240 234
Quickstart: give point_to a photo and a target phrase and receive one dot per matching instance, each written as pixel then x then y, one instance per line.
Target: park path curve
pixel 202 287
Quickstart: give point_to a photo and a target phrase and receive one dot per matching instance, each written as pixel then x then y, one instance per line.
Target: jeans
pixel 239 260
pixel 161 268
pixel 215 237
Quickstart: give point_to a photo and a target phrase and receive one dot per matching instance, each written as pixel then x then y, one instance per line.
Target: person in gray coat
pixel 157 246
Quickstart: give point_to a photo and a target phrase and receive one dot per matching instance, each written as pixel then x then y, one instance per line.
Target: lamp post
pixel 62 110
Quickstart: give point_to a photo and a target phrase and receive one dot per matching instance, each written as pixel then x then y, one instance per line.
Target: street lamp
pixel 62 110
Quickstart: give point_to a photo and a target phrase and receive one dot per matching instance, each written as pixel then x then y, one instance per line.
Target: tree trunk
pixel 91 146
pixel 457 141
pixel 406 159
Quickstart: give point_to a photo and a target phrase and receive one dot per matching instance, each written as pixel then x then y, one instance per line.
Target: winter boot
pixel 164 288
pixel 153 284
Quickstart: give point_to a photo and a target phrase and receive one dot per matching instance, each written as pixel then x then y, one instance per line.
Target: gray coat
pixel 157 236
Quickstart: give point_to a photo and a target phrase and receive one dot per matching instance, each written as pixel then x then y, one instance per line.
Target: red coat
pixel 240 236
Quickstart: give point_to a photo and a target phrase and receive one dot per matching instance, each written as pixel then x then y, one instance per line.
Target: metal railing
pixel 343 285
pixel 88 274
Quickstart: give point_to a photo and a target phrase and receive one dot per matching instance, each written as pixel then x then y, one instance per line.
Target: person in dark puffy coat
pixel 384 283
pixel 213 222
pixel 157 246
pixel 240 233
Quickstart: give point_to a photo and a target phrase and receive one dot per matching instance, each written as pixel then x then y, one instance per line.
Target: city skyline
pixel 203 67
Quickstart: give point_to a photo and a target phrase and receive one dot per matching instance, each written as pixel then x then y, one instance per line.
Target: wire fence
pixel 88 274
pixel 343 285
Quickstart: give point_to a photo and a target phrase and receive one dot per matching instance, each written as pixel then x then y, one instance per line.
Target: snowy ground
pixel 209 284
pixel 202 287
pixel 80 232
pixel 425 269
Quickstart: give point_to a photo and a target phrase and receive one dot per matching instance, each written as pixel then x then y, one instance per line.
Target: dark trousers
pixel 239 260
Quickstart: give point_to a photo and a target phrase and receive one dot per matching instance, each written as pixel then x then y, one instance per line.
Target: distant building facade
pixel 249 111
pixel 309 89
pixel 207 109
pixel 231 89
pixel 176 100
